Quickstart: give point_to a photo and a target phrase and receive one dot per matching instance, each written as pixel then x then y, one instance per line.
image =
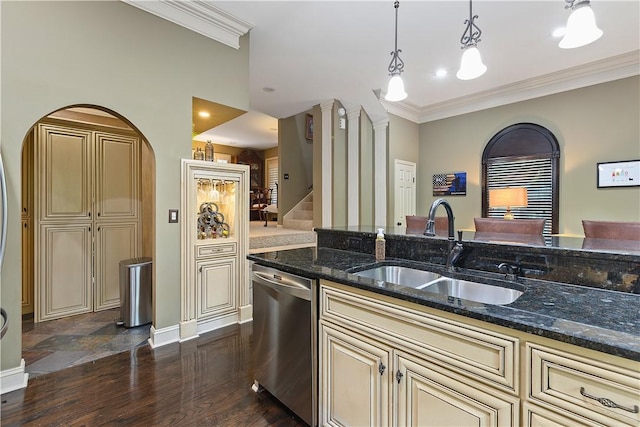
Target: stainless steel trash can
pixel 135 292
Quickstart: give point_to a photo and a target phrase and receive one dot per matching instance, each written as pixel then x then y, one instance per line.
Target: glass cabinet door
pixel 217 207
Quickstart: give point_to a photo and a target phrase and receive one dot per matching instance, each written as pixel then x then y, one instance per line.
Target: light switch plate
pixel 173 215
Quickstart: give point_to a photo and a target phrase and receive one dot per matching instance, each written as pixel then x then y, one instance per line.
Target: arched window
pixel 524 155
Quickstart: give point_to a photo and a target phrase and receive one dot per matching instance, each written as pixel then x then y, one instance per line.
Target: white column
pixel 380 172
pixel 353 169
pixel 327 162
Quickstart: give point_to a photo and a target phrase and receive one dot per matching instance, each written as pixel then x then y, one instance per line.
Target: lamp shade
pixel 581 28
pixel 395 91
pixel 508 197
pixel 471 65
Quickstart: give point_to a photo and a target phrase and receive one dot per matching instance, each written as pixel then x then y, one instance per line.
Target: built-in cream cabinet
pixel 215 239
pixel 86 203
pixel 385 364
pixel 384 361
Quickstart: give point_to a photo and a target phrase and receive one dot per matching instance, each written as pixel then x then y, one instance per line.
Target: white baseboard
pixel 191 329
pixel 13 379
pixel 208 325
pixel 164 336
pixel 188 330
pixel 245 314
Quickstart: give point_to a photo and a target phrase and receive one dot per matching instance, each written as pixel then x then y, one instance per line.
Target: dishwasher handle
pixel 281 284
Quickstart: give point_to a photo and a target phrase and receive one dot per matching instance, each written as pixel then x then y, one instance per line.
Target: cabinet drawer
pixel 481 354
pixel 567 382
pixel 535 416
pixel 206 251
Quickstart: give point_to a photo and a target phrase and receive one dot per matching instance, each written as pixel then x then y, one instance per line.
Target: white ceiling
pixel 313 51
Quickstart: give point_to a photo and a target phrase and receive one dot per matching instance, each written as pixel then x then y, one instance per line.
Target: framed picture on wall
pixel 624 173
pixel 450 184
pixel 308 127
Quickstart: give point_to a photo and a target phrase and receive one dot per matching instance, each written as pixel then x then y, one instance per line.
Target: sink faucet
pixel 455 248
pixel 431 222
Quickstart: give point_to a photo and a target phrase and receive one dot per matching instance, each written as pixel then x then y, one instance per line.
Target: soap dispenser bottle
pixel 380 244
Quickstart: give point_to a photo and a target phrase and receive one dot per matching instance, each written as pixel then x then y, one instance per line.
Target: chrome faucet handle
pixel 511 271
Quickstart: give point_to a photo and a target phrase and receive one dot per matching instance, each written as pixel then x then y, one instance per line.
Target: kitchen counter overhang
pixel 598 319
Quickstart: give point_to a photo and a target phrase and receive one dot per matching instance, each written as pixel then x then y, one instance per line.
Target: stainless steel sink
pixel 436 283
pixel 472 291
pixel 399 275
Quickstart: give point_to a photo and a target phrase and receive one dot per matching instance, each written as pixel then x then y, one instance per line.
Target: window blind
pixel 533 174
pixel 272 179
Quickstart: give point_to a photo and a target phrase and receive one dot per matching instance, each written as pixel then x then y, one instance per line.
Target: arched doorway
pixel 88 180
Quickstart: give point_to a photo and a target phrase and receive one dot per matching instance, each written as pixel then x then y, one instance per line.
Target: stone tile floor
pixel 57 344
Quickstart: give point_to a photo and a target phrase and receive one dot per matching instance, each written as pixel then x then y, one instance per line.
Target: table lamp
pixel 508 197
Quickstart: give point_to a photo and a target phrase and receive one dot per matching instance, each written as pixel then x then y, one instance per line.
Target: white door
pixel 405 190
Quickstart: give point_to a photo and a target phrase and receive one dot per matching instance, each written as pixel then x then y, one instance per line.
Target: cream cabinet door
pixel 114 242
pixel 354 379
pixel 117 176
pixel 65 270
pixel 431 395
pixel 64 168
pixel 216 285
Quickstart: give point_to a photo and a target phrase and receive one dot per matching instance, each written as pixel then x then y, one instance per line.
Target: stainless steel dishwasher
pixel 285 339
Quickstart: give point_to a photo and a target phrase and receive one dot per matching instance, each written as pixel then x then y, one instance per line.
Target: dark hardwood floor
pixel 202 382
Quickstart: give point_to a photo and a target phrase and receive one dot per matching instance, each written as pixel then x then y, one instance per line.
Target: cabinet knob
pixel 381 368
pixel 399 376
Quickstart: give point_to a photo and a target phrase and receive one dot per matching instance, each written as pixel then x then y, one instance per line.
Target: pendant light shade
pixel 471 65
pixel 395 90
pixel 581 26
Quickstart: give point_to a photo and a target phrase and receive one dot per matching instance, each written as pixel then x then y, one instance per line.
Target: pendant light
pixel 471 65
pixel 395 91
pixel 581 25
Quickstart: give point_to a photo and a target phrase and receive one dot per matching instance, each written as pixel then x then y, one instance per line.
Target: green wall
pixel 403 145
pixel 109 54
pixel 295 159
pixel 594 124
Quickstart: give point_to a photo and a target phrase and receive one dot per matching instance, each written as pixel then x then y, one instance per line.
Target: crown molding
pixel 198 16
pixel 602 71
pixel 403 109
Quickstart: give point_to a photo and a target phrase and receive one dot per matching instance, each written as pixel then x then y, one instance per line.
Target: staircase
pixel 301 216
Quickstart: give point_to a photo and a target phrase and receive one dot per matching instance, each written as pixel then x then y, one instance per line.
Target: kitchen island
pixel 561 353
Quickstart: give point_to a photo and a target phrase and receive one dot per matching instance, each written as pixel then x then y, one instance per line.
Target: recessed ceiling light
pixel 441 73
pixel 204 114
pixel 268 89
pixel 559 32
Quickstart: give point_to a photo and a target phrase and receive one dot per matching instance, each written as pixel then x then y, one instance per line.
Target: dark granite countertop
pixel 602 320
